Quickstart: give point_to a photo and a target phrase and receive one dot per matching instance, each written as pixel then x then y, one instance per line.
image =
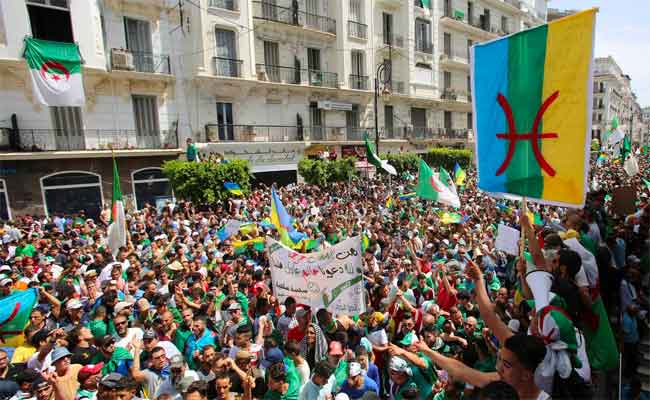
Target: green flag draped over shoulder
pixel 55 70
pixel 375 160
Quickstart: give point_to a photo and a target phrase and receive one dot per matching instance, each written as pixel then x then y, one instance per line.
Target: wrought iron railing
pixel 423 47
pixel 94 139
pixel 293 16
pixel 253 133
pixel 227 67
pixel 357 30
pixel 359 82
pixel 298 76
pixel 151 63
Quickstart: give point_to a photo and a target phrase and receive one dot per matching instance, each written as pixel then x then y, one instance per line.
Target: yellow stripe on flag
pixel 569 47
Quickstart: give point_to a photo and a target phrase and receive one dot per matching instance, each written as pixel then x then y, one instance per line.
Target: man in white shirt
pixel 123 334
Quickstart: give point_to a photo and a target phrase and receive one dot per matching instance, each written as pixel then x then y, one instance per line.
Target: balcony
pixel 422 132
pixel 455 58
pixel 449 94
pixel 397 87
pixel 472 26
pixel 215 133
pixel 423 47
pixel 138 61
pixel 36 140
pixel 227 67
pixel 357 30
pixel 270 12
pixel 231 5
pixel 394 133
pixel 359 82
pixel 459 134
pixel 337 134
pixel 297 76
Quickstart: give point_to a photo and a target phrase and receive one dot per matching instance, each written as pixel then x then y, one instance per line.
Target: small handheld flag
pixel 233 188
pixel 459 174
pixel 431 188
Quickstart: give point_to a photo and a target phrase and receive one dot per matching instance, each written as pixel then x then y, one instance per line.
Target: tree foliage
pixel 322 173
pixel 202 183
pixel 447 157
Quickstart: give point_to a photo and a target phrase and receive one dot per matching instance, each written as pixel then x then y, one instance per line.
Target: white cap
pixel 6 281
pixel 121 306
pixel 73 304
pixel 355 369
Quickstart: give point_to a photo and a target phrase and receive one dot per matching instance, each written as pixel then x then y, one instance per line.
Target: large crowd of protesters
pixel 178 313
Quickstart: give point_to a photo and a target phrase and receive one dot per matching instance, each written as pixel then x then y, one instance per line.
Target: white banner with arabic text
pixel 332 278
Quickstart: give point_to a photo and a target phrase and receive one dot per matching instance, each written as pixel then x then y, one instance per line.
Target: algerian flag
pixel 615 135
pixel 117 228
pixel 445 178
pixel 626 149
pixel 376 161
pixel 55 69
pixel 431 188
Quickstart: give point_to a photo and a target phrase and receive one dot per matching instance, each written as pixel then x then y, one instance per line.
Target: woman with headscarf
pixel 313 347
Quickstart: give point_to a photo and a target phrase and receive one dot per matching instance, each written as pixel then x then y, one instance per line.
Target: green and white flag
pixel 431 188
pixel 55 68
pixel 117 228
pixel 376 161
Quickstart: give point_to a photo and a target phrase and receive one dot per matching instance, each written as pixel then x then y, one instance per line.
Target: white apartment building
pixel 613 96
pixel 267 80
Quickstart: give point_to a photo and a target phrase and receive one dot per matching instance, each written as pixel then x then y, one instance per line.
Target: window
pixel 388 121
pixel 448 121
pixel 356 13
pixel 5 211
pixel 313 59
pixel 145 114
pixel 150 186
pixel 358 80
pixel 470 12
pixel 225 121
pixel 226 53
pixel 272 60
pixel 447 79
pixel 504 24
pixel 447 44
pixel 138 41
pixel 50 20
pixel 68 128
pixel 447 8
pixel 422 35
pixel 387 20
pixel 72 191
pixel 470 121
pixel 316 122
pixel 352 122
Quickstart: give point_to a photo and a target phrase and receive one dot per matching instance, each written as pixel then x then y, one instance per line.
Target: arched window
pixel 70 192
pixel 5 210
pixel 151 186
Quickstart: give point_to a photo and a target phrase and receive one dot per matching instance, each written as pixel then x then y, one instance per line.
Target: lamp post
pixel 383 74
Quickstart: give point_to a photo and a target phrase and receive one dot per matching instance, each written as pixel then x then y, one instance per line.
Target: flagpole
pixel 524 211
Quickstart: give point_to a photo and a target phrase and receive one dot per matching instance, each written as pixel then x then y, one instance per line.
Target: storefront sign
pixel 334 105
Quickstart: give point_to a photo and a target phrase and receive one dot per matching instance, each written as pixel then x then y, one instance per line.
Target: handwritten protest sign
pixel 507 240
pixel 332 278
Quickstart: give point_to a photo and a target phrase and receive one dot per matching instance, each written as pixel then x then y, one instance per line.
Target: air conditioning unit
pixel 261 73
pixel 122 59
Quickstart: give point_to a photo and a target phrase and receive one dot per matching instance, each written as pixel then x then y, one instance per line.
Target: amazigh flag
pixel 431 188
pixel 375 160
pixel 14 316
pixel 230 228
pixel 453 218
pixel 233 188
pixel 241 246
pixel 389 202
pixel 532 103
pixel 406 196
pixel 55 69
pixel 459 174
pixel 289 236
pixel 117 228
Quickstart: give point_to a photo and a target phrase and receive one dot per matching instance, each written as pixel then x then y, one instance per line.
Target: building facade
pixel 270 81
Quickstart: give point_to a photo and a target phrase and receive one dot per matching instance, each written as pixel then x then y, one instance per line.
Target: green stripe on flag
pixel 527 55
pixel 38 51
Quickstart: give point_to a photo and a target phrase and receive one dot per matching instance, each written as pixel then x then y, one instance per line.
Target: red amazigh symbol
pixel 6 321
pixel 512 135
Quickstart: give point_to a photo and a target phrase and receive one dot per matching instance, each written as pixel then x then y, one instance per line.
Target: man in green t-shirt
pixel 191 151
pixel 283 381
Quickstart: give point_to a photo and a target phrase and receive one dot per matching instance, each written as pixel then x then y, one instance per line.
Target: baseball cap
pixel 177 361
pixel 5 268
pixel 111 380
pixel 122 305
pixel 39 383
pixel 398 364
pixel 355 369
pixel 234 306
pixel 103 341
pixel 335 349
pixel 274 355
pixel 149 334
pixel 59 353
pixel 6 281
pixel 244 355
pixel 89 370
pixel 73 304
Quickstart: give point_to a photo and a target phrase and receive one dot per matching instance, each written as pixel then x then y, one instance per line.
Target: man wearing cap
pixel 115 359
pixel 150 341
pixel 178 372
pixel 76 316
pixel 43 389
pixel 108 386
pixel 89 377
pixel 283 381
pixel 65 375
pixel 400 378
pixel 358 383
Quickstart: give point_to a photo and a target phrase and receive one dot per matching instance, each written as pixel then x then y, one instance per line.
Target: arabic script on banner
pixel 331 279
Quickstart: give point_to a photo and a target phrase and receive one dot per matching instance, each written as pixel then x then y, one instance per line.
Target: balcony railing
pixel 423 47
pixel 139 61
pixel 449 94
pixel 227 67
pixel 93 139
pixel 449 133
pixel 254 133
pixel 272 12
pixel 455 54
pixel 359 82
pixel 357 30
pixel 297 76
pixel 231 5
pixel 397 87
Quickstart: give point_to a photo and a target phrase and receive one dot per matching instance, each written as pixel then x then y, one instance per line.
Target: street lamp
pixel 383 75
